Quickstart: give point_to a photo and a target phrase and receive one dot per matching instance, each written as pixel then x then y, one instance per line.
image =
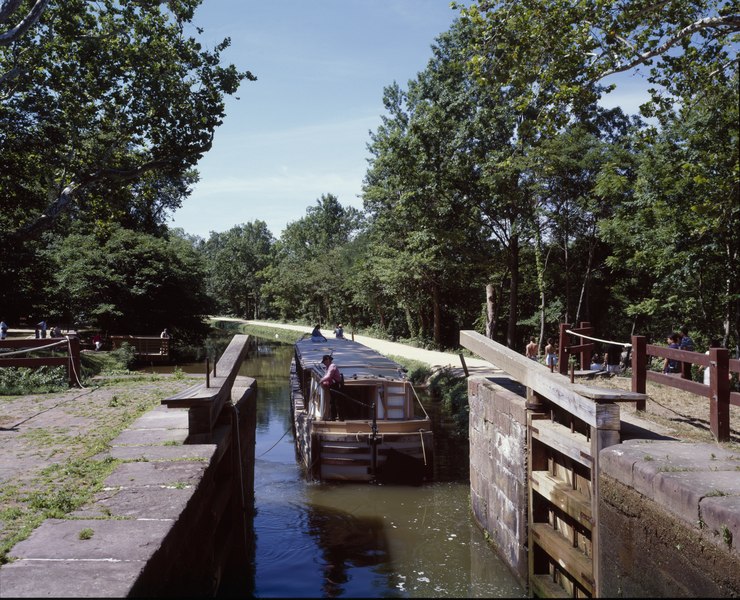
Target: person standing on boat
pixel 331 381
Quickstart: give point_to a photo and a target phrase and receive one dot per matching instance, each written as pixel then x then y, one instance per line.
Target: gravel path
pixel 435 360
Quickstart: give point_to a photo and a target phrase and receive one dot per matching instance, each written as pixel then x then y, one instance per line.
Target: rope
pixel 27 350
pixel 419 401
pixel 423 449
pixel 72 364
pixel 598 340
pixel 276 443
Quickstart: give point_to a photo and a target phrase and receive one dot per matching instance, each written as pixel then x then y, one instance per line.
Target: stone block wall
pixel 498 469
pixel 669 519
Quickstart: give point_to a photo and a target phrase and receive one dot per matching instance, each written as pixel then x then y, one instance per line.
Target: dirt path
pixel 674 412
pixel 475 366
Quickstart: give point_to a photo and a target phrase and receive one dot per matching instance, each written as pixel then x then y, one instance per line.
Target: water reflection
pixel 318 540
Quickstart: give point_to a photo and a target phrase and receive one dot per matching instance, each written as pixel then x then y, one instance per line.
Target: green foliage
pixel 125 355
pixel 122 281
pixel 18 381
pixel 452 391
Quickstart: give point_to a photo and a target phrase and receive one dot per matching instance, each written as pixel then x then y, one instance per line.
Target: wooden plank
pixel 558 437
pixel 562 552
pixel 575 398
pixel 562 495
pixel 544 587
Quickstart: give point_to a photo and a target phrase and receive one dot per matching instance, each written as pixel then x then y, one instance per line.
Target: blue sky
pixel 302 128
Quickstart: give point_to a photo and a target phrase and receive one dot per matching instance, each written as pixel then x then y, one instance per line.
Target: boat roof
pixel 354 360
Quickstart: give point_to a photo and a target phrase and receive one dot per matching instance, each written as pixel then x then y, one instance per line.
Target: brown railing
pixel 145 347
pixel 13 353
pixel 718 392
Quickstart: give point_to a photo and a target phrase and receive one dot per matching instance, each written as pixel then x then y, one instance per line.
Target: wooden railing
pixel 145 347
pixel 718 392
pixel 205 401
pixel 13 354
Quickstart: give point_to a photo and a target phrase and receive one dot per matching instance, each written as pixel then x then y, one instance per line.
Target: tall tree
pixel 236 260
pixel 307 280
pixel 104 93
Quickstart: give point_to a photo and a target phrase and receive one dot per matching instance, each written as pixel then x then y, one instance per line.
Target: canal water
pixel 316 540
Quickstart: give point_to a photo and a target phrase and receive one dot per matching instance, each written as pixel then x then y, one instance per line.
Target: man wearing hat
pixel 331 381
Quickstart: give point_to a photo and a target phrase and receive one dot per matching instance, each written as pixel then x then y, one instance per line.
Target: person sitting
pixel 331 381
pixel 316 335
pixel 596 363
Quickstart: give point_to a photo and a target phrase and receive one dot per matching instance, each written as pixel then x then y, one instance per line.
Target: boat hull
pixel 361 450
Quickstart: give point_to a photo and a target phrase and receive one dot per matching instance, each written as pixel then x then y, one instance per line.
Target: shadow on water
pixel 315 540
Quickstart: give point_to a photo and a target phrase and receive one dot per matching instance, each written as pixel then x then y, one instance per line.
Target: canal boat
pixel 381 432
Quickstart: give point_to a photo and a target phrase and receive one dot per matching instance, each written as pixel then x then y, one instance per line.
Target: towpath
pixel 436 360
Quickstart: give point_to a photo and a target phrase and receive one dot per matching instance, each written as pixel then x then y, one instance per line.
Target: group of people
pixel 678 340
pixel 532 351
pixel 613 361
pixel 317 336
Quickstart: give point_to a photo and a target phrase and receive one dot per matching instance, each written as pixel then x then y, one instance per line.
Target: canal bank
pixel 162 525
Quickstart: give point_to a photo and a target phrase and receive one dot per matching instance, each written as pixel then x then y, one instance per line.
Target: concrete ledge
pixel 698 483
pixel 130 519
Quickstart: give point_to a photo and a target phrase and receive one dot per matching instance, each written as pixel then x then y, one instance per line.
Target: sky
pixel 301 130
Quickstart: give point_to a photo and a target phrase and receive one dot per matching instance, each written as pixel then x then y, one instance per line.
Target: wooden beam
pixel 593 405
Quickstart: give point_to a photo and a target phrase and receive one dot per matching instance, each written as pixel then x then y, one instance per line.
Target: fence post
pixel 562 356
pixel 719 393
pixel 586 354
pixel 74 361
pixel 639 367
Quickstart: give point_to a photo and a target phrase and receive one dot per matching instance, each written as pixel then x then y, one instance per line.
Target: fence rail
pixel 718 392
pixel 13 354
pixel 148 348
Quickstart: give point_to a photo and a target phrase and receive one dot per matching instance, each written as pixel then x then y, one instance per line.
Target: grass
pixel 78 466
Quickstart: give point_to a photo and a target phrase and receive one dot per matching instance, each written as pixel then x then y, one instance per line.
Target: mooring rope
pixel 423 449
pixel 72 364
pixel 625 345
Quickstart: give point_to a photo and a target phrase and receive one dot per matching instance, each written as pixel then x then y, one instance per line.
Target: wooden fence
pixel 61 352
pixel 146 348
pixel 718 392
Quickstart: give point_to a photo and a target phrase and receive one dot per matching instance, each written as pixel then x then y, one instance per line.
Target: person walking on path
pixel 41 327
pixel 533 350
pixel 551 354
pixel 339 331
pixel 3 329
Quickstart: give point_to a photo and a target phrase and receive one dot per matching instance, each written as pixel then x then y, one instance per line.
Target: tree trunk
pixel 511 339
pixel 437 315
pixel 490 310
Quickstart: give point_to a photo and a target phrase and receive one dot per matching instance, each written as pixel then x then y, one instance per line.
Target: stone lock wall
pixel 498 469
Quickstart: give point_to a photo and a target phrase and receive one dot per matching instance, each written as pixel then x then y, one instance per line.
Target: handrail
pixel 206 401
pixel 718 392
pixel 71 348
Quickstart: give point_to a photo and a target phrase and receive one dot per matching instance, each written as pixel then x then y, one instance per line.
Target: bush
pixel 452 391
pixel 18 381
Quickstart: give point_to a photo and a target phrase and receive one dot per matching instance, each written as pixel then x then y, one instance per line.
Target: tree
pixel 236 261
pixel 680 235
pixel 555 51
pixel 129 283
pixel 105 94
pixel 307 280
